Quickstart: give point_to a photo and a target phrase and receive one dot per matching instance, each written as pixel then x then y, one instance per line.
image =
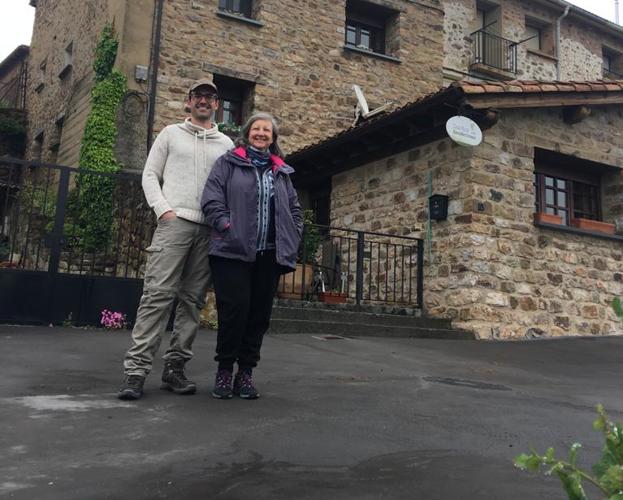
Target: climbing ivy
pixel 95 208
pixel 105 54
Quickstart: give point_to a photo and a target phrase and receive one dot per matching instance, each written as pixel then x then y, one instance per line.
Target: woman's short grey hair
pixel 243 138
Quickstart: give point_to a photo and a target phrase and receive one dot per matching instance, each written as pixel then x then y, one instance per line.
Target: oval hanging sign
pixel 464 131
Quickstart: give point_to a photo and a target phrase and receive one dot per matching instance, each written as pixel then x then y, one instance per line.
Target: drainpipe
pixel 153 77
pixel 558 21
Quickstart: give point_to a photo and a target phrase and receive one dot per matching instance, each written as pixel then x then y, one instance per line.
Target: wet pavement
pixel 358 418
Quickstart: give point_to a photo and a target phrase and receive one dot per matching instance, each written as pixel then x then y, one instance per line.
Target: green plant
pixel 15 131
pixel 95 212
pixel 105 53
pixel 230 129
pixel 311 238
pixel 607 473
pixel 618 307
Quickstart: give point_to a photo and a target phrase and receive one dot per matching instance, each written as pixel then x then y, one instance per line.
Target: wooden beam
pixel 543 100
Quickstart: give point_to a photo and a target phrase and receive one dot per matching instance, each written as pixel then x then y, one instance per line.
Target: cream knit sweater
pixel 178 166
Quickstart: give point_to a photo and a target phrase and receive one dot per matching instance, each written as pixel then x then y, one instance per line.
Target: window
pixel 41 77
pixel 68 58
pixel 240 7
pixel 567 186
pixel 539 36
pixel 610 61
pixel 370 27
pixel 533 36
pixel 235 99
pixel 37 146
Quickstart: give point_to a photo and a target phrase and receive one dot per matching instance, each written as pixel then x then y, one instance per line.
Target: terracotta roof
pixel 534 86
pixel 482 89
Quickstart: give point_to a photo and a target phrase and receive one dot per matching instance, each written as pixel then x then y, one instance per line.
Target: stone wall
pixel 58 23
pixel 297 61
pixel 492 271
pixel 580 48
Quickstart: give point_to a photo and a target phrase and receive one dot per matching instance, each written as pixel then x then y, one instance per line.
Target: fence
pixel 76 239
pixel 343 265
pixel 67 220
pixel 494 51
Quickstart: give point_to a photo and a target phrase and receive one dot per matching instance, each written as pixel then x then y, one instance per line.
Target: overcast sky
pixel 16 18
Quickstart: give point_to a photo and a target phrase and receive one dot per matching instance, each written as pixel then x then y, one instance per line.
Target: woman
pixel 256 224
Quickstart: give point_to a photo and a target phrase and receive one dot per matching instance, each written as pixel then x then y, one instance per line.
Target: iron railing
pixel 494 51
pixel 46 223
pixel 357 266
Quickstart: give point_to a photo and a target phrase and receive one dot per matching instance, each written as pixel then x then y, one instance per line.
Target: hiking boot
pixel 244 387
pixel 132 387
pixel 222 385
pixel 173 378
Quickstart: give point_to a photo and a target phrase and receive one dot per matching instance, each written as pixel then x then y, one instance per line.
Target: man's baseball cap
pixel 201 83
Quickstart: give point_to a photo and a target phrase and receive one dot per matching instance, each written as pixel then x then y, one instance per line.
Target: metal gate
pixel 72 243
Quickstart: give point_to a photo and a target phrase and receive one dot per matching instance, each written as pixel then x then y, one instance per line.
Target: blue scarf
pixel 259 159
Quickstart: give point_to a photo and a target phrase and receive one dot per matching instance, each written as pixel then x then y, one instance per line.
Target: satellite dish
pixel 362 111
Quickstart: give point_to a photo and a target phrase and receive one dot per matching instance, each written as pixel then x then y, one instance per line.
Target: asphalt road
pixel 361 418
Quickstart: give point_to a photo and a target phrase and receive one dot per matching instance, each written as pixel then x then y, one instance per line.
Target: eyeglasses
pixel 197 96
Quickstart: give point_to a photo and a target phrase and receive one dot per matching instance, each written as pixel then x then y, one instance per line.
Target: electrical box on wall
pixel 140 73
pixel 438 207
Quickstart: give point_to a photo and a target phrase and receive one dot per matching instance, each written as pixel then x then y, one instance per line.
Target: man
pixel 177 259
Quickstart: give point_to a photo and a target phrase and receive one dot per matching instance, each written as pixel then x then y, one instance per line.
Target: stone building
pixel 13 77
pixel 529 40
pixel 497 267
pixel 549 148
pixel 273 55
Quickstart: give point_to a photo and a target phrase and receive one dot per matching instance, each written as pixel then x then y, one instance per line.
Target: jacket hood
pixel 239 157
pixel 203 133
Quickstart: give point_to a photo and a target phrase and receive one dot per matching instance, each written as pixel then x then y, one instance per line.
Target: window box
pixel 593 225
pixel 332 297
pixel 543 218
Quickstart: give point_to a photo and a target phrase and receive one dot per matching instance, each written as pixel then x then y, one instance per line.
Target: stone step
pixel 332 315
pixel 350 329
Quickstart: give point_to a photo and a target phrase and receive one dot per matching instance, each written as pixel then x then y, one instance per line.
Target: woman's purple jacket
pixel 229 202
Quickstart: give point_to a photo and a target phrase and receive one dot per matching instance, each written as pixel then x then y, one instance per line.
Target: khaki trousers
pixel 177 267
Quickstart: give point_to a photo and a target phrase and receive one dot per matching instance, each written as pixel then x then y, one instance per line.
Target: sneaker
pixel 174 380
pixel 132 387
pixel 244 387
pixel 222 385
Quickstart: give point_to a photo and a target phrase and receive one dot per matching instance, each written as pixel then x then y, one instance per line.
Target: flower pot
pixel 593 225
pixel 543 218
pixel 291 285
pixel 332 297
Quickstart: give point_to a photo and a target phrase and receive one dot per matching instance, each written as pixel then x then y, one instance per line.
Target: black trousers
pixel 244 302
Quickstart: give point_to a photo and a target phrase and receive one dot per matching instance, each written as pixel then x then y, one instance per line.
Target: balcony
pixel 493 55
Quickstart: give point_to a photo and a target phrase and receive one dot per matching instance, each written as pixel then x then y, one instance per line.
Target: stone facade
pixel 291 63
pixel 297 61
pixel 492 270
pixel 58 95
pixel 581 44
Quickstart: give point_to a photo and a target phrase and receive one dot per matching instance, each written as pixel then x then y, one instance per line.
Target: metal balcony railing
pixel 494 51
